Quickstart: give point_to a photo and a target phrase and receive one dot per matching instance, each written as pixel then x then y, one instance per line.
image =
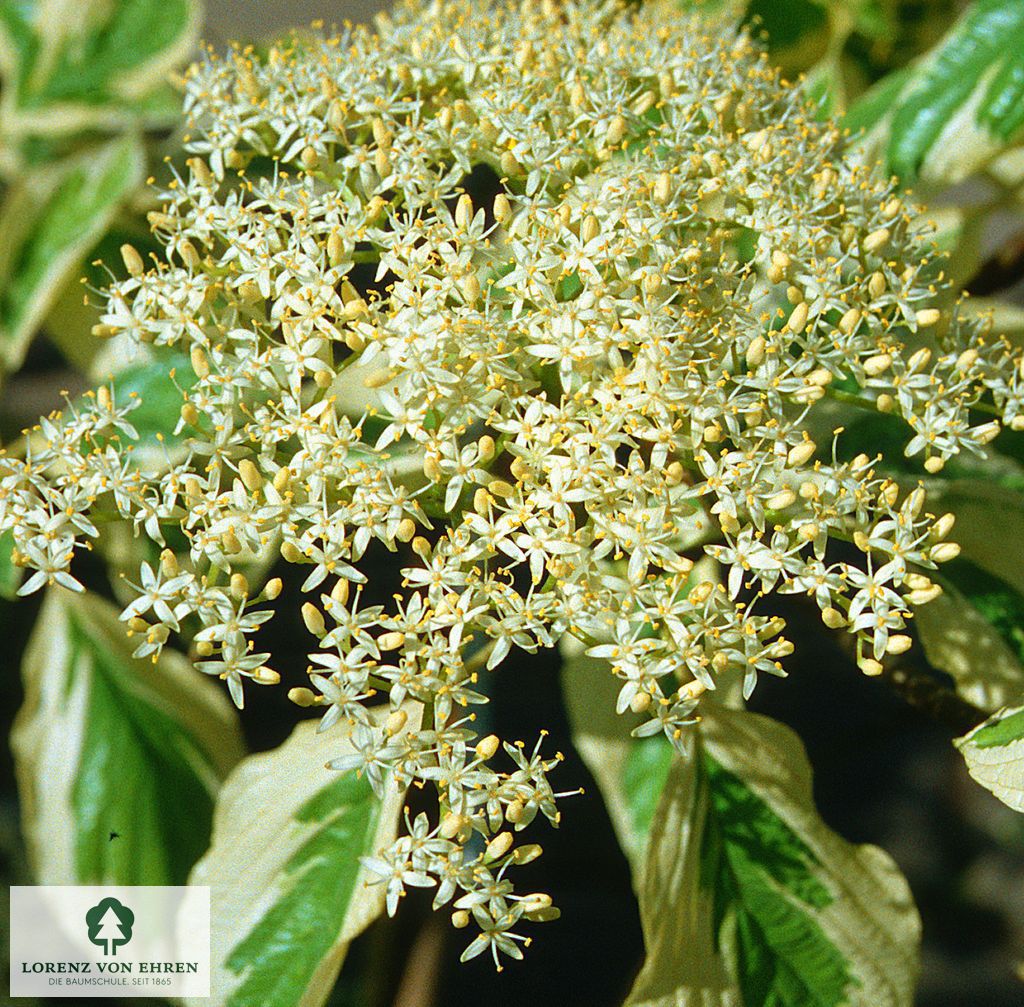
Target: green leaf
pixel 748 899
pixel 961 105
pixel 105 743
pixel 90 64
pixel 288 890
pixel 994 753
pixel 51 222
pixel 10 575
pixel 973 632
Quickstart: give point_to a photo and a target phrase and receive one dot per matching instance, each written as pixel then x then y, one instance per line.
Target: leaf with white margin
pixel 749 900
pixel 288 891
pixel 50 222
pixel 630 772
pixel 994 753
pixel 959 639
pixel 989 524
pixel 106 743
pixel 959 107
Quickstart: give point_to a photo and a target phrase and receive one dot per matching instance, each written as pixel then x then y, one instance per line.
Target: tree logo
pixel 110 925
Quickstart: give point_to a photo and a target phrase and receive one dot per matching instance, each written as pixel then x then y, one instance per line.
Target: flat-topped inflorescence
pixel 621 360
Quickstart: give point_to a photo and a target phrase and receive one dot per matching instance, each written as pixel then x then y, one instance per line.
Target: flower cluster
pixel 551 401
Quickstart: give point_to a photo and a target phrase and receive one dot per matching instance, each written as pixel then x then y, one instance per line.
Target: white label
pixel 110 941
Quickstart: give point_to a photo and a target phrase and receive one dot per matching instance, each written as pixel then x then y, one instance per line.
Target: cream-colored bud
pixel 281 478
pixel 230 542
pixel 201 171
pixel 340 591
pixel 395 722
pixel 498 847
pixel 885 403
pixel 861 541
pixel 644 103
pixel 137 625
pixel 405 531
pixel 898 644
pixel 526 854
pixel 934 465
pixel 943 526
pixel 798 318
pixel 877 240
pixel 266 676
pixel 485 448
pixel 809 532
pixel 781 500
pixel 889 493
pixel 421 547
pixel 239 586
pixel 250 475
pixel 502 208
pixel 730 525
pixel 966 360
pixel 662 188
pixel 460 919
pixel 833 618
pixel 204 648
pixel 314 619
pixel 876 285
pixel 870 667
pixel 502 489
pixel 514 811
pixel 927 317
pixel 482 501
pixel 309 158
pixel 674 473
pixel 452 824
pixel 469 287
pixel 273 588
pixel 720 662
pixel 756 351
pixel 200 364
pixel 169 563
pixel 190 414
pixel 914 501
pixel 510 166
pixel 809 490
pixel 849 322
pixel 486 747
pixel 800 454
pixel 590 228
pixel 640 703
pixel 987 432
pixel 132 260
pixel 944 552
pixel 432 468
pixel 924 595
pixel 920 360
pixel 391 640
pixel 877 364
pixel 290 552
pixel 464 211
pixel 302 697
pixel 616 132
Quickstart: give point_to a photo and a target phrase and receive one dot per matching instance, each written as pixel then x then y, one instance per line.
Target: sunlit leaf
pixel 108 744
pixel 749 900
pixel 50 223
pixel 994 753
pixel 288 891
pixel 961 105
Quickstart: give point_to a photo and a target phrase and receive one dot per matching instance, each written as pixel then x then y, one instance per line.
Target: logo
pixel 110 925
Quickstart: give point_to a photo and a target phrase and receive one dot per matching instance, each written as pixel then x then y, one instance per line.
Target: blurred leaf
pixel 960 106
pixel 289 893
pixel 10 575
pixel 69 322
pixel 629 772
pixel 994 753
pixel 50 223
pixel 105 743
pixel 974 632
pixel 73 64
pixel 749 899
